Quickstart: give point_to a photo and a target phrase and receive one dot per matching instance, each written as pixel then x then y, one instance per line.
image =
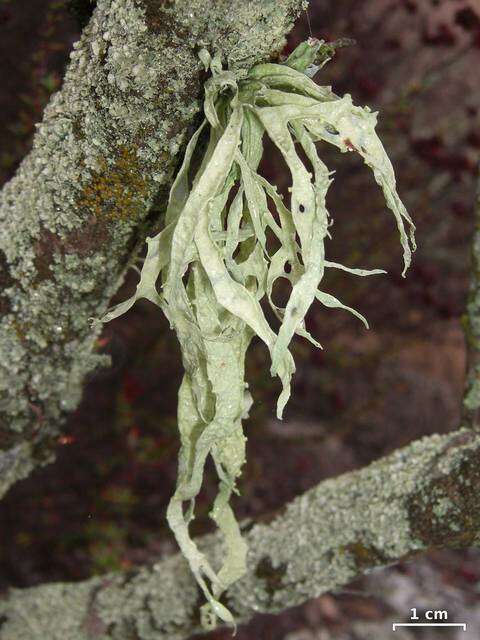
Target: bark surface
pixel 71 218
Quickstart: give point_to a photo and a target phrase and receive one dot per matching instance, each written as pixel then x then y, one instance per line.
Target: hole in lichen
pixel 281 291
pixel 329 128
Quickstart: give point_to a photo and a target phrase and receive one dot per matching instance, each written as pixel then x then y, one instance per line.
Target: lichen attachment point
pixel 212 266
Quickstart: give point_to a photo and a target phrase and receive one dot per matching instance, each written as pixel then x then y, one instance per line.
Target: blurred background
pixel 101 506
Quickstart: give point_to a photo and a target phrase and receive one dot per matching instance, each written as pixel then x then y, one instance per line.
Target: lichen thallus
pixel 212 266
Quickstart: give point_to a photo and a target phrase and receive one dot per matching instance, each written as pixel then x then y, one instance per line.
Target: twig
pixel 471 323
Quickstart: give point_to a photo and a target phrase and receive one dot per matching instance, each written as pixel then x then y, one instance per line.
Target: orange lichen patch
pixel 116 192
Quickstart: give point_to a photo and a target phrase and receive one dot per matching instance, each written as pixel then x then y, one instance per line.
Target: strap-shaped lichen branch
pixel 213 263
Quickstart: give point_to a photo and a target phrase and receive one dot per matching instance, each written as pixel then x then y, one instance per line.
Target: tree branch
pixel 471 400
pixel 75 211
pixel 421 497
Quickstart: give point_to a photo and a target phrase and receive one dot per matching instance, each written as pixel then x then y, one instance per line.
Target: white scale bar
pixel 429 624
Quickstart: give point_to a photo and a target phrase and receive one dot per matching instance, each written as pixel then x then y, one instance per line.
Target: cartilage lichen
pixel 212 265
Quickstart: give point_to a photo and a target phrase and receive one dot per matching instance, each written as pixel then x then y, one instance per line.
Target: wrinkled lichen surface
pixel 213 263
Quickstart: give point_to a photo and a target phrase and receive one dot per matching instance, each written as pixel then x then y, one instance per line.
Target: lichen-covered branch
pixel 424 496
pixel 471 399
pixel 72 216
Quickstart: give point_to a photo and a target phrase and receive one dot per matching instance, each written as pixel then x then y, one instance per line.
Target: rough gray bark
pixel 421 497
pixel 73 214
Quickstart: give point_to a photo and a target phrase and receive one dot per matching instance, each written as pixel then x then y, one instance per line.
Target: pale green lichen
pixel 213 264
pixel 32 618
